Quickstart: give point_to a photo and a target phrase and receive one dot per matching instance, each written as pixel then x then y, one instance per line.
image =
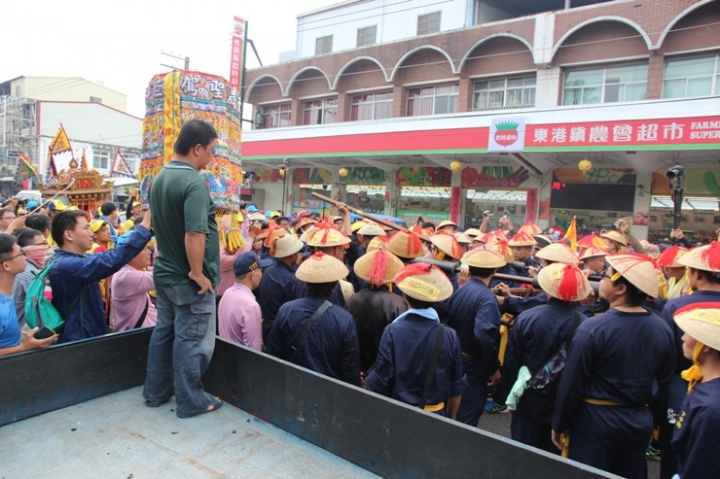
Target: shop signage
pixel 494 177
pixel 455 203
pixel 698 181
pixel 506 134
pixel 423 176
pixel 634 134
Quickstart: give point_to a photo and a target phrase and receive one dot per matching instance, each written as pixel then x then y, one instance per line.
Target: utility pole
pixel 176 57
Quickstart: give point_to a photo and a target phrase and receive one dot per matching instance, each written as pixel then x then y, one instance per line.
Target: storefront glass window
pixel 691 77
pixel 605 84
pixel 431 202
pixel 433 100
pixel 496 203
pixel 369 198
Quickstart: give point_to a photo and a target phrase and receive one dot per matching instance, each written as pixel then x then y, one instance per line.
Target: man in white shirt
pixel 239 313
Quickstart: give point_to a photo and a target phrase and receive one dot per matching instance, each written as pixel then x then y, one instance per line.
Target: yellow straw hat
pixel 284 246
pixel 424 282
pixel 376 243
pixel 357 225
pixel 405 245
pixel 530 228
pixel 473 233
pixel 559 253
pixel 638 269
pixel 378 267
pixel 446 223
pixel 701 321
pixel 463 238
pixel 321 268
pixel 371 230
pixel 447 244
pixel 502 247
pixel 705 258
pixel 615 236
pixel 484 257
pixel 564 282
pixel 522 239
pixel 326 236
pixel 592 252
pixel 671 256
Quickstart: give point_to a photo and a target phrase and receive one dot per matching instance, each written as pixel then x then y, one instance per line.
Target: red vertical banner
pixel 237 53
pixel 455 203
pixel 531 206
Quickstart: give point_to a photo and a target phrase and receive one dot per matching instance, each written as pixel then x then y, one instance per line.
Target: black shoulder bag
pixel 306 329
pixel 433 365
pixel 548 376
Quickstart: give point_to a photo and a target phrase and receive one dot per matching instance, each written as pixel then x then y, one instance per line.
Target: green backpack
pixel 39 311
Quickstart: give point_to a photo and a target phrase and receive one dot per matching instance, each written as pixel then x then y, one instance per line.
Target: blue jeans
pixel 181 347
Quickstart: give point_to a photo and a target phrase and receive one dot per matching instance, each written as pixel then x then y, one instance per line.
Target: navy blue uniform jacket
pixel 335 298
pixel 475 315
pixel 404 358
pixel 72 272
pixel 623 357
pixel 535 338
pixel 277 287
pixel 696 441
pixel 331 346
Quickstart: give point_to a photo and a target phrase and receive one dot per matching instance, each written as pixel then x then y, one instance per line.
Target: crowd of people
pixel 599 353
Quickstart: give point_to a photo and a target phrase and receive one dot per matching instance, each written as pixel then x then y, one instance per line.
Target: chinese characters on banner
pixel 237 53
pixel 455 203
pixel 531 210
pixel 635 133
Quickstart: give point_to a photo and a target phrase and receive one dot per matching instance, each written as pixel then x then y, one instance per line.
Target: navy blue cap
pixel 249 262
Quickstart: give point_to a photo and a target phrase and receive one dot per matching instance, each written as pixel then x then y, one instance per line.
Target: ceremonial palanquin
pixel 173 98
pixel 88 192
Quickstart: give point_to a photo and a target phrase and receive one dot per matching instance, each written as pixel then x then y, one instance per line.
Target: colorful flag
pixel 571 234
pixel 25 169
pixel 51 176
pixel 60 142
pixel 120 167
pixel 83 161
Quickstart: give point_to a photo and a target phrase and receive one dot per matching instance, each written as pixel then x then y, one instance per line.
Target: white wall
pixel 67 89
pixel 273 195
pixel 90 122
pixel 395 20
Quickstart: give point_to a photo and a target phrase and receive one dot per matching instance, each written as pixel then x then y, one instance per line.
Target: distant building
pixel 32 109
pixel 450 108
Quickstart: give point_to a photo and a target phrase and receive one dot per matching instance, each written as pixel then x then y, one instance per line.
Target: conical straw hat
pixel 376 243
pixel 484 257
pixel 358 225
pixel 638 269
pixel 592 240
pixel 669 258
pixel 371 230
pixel 284 246
pixel 446 223
pixel 701 321
pixel 321 268
pixel 472 233
pixel 530 228
pixel 502 247
pixel 564 282
pixel 615 236
pixel 424 282
pixel 463 238
pixel 592 252
pixel 447 244
pixel 559 253
pixel 705 258
pixel 543 240
pixel 326 236
pixel 405 245
pixel 378 267
pixel 522 239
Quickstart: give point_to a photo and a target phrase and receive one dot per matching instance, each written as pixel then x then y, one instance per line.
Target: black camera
pixel 676 171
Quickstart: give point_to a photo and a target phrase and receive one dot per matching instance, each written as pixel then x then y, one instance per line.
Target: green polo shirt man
pixel 186 273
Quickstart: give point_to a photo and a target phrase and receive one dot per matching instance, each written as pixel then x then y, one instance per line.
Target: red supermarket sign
pixel 638 134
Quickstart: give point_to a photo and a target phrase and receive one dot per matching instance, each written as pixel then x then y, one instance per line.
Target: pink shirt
pixel 240 318
pixel 227 261
pixel 129 294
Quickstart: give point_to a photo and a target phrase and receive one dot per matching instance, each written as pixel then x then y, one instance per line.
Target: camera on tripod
pixel 676 172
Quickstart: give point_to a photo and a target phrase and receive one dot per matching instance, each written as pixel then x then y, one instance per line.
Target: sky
pixel 120 43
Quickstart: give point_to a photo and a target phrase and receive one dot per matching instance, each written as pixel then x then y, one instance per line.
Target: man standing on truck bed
pixel 186 273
